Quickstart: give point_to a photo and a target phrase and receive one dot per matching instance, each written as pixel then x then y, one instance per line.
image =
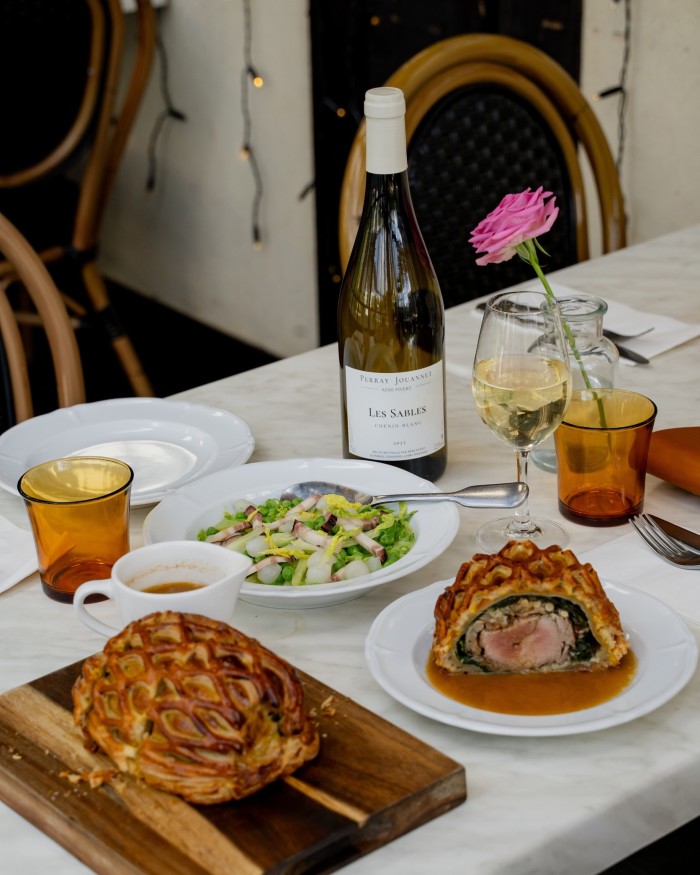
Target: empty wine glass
pixel 522 386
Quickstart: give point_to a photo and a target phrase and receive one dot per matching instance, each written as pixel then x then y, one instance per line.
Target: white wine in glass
pixel 521 383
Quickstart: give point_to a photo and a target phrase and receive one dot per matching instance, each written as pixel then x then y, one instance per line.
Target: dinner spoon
pixel 487 495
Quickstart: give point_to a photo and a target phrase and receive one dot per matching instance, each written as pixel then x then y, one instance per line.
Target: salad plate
pixel 167 443
pixel 399 641
pixel 201 504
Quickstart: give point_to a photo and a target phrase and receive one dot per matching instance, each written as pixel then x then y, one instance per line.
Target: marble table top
pixel 574 804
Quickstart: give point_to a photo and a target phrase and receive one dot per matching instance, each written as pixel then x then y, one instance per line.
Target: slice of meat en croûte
pixel 523 610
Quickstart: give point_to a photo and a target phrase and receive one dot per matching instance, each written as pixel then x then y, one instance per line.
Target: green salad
pixel 320 539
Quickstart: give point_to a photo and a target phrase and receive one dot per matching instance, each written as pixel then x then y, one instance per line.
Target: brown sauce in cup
pixel 175 586
pixel 535 694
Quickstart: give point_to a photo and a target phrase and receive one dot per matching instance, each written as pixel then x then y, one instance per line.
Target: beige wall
pixel 188 244
pixel 660 168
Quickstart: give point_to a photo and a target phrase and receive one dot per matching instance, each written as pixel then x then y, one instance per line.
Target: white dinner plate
pixel 167 443
pixel 400 638
pixel 203 503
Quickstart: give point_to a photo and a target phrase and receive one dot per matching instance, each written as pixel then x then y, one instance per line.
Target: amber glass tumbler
pixel 79 511
pixel 602 448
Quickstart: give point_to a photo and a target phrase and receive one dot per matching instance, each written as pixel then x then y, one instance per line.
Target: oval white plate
pixel 201 504
pixel 167 443
pixel 400 638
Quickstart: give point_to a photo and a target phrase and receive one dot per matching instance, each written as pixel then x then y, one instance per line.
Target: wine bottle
pixel 391 318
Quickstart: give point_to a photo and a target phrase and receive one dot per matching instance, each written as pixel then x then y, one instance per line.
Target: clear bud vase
pixel 599 356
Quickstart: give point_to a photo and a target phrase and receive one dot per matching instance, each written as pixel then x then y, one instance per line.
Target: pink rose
pixel 517 218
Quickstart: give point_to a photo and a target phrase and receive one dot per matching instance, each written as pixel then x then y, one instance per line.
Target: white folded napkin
pixel 630 562
pixel 17 554
pixel 666 334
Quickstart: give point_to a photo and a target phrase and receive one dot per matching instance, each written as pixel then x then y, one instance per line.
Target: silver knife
pixel 692 539
pixel 628 353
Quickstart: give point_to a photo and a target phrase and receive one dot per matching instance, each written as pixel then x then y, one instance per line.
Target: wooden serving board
pixel 370 783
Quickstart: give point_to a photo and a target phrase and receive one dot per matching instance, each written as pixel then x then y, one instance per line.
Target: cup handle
pixel 85 590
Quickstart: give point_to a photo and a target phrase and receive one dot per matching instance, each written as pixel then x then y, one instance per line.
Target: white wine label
pixel 395 416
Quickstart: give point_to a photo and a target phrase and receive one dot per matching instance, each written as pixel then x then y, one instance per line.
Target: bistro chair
pixel 485 116
pixel 69 100
pixel 23 265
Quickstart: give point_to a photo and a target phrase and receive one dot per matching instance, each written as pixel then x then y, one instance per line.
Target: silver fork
pixel 664 545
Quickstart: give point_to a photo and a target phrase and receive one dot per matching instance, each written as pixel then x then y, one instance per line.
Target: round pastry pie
pixel 525 609
pixel 194 707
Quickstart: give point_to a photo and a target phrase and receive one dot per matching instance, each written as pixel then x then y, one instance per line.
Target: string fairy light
pixel 250 75
pixel 168 112
pixel 621 87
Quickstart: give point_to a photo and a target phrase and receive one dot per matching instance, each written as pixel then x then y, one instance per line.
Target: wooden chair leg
pixel 130 362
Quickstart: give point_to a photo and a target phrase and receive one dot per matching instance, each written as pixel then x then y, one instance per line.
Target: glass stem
pixel 522 525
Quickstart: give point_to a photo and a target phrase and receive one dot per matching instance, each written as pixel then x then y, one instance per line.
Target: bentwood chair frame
pixel 525 74
pixel 23 263
pixel 96 138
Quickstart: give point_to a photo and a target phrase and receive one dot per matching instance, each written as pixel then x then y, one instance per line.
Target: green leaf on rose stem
pixel 540 247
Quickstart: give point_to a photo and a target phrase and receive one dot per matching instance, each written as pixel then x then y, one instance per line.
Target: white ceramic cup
pixel 220 571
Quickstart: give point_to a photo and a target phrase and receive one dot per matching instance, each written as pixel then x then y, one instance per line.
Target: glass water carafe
pixel 598 355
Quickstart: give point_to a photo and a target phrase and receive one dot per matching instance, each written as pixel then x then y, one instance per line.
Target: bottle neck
pixel 386 145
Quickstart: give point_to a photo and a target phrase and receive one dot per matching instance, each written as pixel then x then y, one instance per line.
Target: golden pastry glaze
pixel 194 707
pixel 521 568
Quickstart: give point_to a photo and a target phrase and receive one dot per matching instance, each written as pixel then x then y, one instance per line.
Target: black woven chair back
pixel 488 115
pixel 476 145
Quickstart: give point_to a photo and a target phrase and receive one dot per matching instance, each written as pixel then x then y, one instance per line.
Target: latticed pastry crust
pixel 498 600
pixel 194 707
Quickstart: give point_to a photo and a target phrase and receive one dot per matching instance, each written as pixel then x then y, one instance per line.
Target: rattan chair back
pixel 23 266
pixel 488 115
pixel 69 103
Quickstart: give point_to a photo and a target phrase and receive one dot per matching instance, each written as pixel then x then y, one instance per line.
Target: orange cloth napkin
pixel 674 455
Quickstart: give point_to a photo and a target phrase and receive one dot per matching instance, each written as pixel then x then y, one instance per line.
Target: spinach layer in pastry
pixel 526 610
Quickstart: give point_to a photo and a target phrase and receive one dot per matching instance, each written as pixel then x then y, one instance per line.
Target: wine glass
pixel 521 383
